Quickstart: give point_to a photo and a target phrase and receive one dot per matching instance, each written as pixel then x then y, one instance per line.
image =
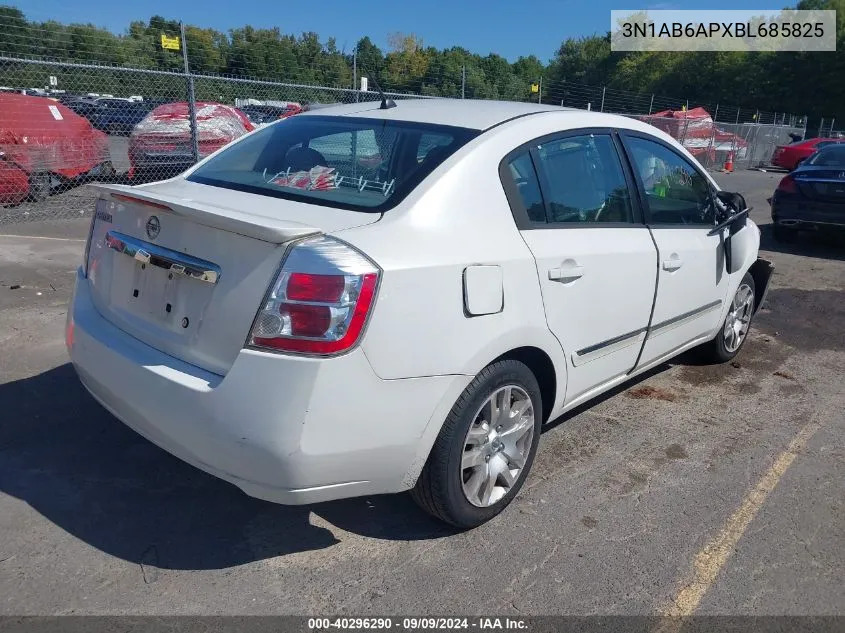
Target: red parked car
pixel 160 145
pixel 44 144
pixel 788 156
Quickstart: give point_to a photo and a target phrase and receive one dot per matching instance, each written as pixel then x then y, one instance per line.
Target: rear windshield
pixel 830 156
pixel 350 163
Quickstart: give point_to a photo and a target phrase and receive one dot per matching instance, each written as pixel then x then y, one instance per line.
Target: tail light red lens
pixel 320 302
pixel 305 320
pixel 305 287
pixel 787 185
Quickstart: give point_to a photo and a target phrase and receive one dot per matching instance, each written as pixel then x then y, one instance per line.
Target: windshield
pixel 351 163
pixel 830 156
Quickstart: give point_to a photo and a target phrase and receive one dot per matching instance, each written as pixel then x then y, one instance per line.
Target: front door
pixel 692 277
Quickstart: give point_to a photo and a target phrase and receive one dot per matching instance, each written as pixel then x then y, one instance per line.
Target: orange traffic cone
pixel 729 163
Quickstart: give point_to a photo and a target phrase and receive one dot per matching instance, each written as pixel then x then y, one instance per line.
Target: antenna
pixel 386 103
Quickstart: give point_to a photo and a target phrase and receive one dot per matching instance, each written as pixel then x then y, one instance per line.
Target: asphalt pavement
pixel 705 489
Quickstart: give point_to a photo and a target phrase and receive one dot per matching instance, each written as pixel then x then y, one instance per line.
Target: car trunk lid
pixel 822 184
pixel 184 267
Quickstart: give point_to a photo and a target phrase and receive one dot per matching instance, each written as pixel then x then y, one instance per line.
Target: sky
pixel 510 28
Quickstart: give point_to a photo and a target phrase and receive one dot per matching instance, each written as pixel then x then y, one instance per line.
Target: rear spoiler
pixel 266 229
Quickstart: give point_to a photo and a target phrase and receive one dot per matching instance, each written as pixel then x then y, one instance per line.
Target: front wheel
pixel 485 449
pixel 734 331
pixel 40 186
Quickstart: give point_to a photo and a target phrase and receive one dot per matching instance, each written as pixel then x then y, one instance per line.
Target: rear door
pixel 572 199
pixel 692 277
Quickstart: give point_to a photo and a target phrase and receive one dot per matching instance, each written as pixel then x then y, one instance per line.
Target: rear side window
pixel 352 163
pixel 831 156
pixel 583 180
pixel 524 178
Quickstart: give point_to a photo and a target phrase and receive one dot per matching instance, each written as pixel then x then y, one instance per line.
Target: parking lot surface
pixel 707 489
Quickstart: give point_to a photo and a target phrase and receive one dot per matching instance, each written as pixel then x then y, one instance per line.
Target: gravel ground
pixel 716 487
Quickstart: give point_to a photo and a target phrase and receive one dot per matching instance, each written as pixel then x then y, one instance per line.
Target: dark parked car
pixel 812 196
pixel 83 107
pixel 118 116
pixel 261 114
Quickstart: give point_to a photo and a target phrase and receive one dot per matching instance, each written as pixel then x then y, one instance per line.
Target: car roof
pixel 467 113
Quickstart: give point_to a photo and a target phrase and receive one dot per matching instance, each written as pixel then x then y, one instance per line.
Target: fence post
pixel 603 91
pixel 192 105
pixel 463 82
pixel 651 105
pixel 540 91
pixel 832 121
pixel 355 72
pixel 821 125
pixel 716 114
pixel 737 116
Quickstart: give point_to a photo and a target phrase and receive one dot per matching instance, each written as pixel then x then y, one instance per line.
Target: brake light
pixel 787 185
pixel 320 301
pixel 140 201
pixel 305 287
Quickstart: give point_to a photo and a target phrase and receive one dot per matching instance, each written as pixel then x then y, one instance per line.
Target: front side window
pixel 353 163
pixel 676 192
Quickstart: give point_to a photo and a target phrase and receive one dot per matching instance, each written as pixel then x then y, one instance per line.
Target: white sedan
pixel 374 298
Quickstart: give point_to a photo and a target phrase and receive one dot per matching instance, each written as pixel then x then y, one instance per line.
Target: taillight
pixel 320 301
pixel 787 185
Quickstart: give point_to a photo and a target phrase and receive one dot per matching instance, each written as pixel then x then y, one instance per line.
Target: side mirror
pixel 737 244
pixel 734 205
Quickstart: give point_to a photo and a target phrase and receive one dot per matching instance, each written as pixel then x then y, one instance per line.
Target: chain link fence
pixel 77 108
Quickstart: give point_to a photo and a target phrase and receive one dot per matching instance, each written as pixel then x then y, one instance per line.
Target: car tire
pixel 726 345
pixel 40 186
pixel 107 172
pixel 783 234
pixel 480 446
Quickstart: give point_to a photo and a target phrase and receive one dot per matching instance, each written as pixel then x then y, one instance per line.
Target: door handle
pixel 570 273
pixel 672 264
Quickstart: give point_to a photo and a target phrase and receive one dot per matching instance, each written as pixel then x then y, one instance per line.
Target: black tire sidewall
pixel 40 185
pixel 464 513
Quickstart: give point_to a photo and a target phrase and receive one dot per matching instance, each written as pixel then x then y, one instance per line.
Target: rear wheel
pixel 783 234
pixel 734 331
pixel 485 448
pixel 40 184
pixel 107 172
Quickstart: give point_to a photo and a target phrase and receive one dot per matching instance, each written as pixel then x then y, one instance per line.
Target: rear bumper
pixel 285 429
pixel 808 214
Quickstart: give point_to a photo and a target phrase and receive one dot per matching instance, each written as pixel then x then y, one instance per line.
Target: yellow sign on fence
pixel 170 43
pixel 535 87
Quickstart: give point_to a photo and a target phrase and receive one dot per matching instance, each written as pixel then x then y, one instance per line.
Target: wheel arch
pixel 539 361
pixel 541 365
pixel 761 272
